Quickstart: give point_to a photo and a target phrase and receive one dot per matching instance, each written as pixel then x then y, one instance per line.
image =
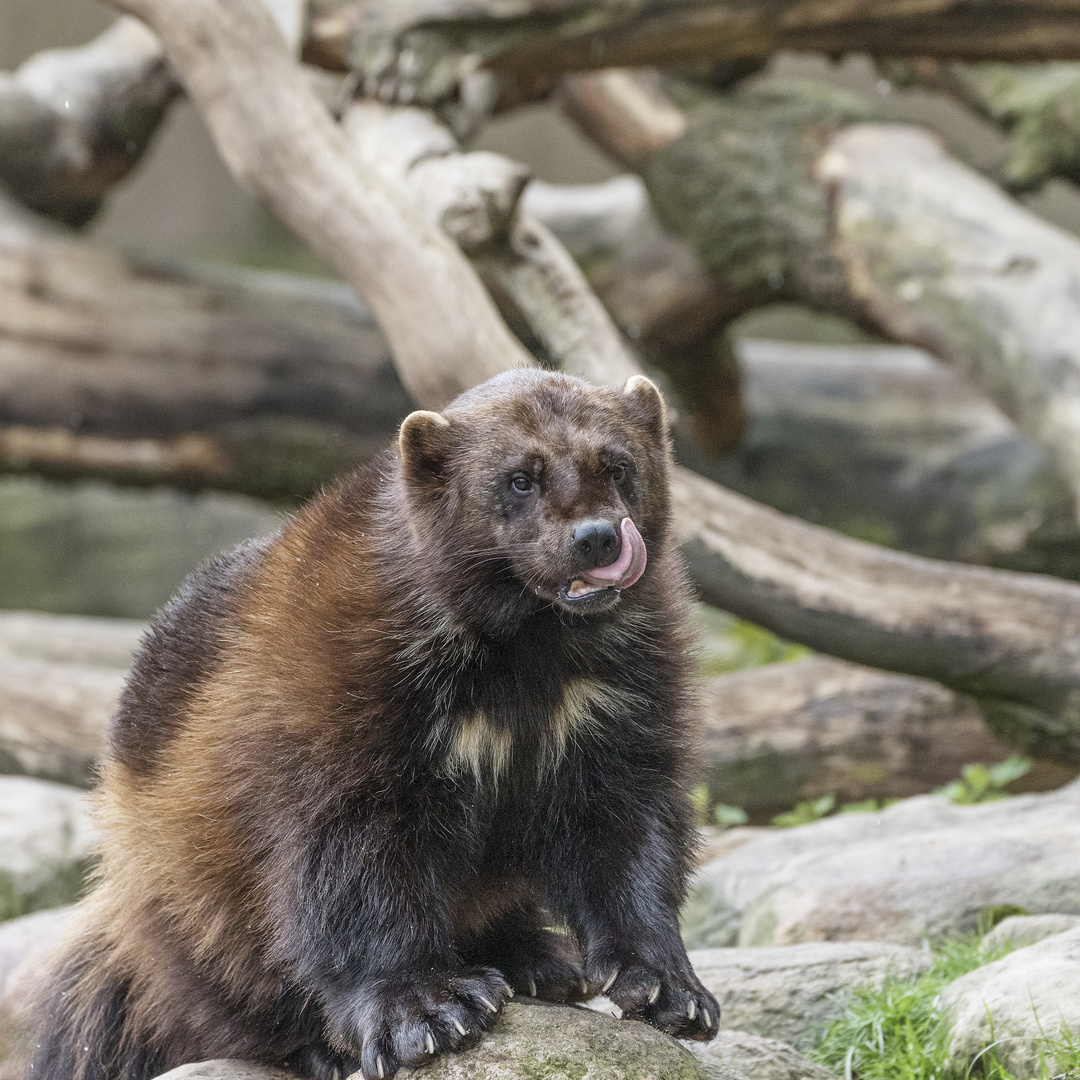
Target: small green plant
pixel 896 1031
pixel 985 783
pixel 699 800
pixel 729 644
pixel 727 817
pixel 722 815
pixel 805 812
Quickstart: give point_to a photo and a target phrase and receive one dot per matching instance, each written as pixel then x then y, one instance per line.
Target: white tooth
pixel 691 1010
pixel 429 1043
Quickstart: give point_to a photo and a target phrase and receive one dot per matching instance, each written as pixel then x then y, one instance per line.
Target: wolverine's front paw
pixel 673 1002
pixel 549 969
pixel 408 1021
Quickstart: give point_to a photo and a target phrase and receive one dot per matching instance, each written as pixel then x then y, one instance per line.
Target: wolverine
pixel 425 748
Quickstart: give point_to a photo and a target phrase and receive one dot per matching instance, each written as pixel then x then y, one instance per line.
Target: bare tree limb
pixel 474 198
pixel 73 122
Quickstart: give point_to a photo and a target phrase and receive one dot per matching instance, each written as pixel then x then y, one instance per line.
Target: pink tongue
pixel 630 564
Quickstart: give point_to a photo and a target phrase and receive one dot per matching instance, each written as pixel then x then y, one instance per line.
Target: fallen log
pixel 196 377
pixel 885 444
pixel 780 734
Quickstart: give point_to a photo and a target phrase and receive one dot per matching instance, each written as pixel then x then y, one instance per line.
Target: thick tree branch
pixel 73 122
pixel 1012 641
pixel 425 47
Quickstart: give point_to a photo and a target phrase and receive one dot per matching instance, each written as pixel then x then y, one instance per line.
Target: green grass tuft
pixel 894 1032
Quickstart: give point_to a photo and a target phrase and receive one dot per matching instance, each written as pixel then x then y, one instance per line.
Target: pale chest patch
pixel 485 749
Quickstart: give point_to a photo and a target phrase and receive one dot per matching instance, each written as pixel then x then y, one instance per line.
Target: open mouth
pixel 579 589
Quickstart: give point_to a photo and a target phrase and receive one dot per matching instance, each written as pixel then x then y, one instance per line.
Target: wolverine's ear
pixel 423 442
pixel 646 404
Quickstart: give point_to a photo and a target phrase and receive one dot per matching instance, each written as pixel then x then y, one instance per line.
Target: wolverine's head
pixel 539 489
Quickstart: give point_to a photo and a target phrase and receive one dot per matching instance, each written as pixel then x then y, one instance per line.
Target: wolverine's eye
pixel 521 483
pixel 619 473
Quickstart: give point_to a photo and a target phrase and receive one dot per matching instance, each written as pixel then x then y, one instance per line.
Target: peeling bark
pixel 779 185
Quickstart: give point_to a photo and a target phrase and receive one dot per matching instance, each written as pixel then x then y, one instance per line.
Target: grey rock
pixel 25 944
pixel 754 1056
pixel 23 939
pixel 225 1069
pixel 60 679
pixel 1016 1003
pixel 45 844
pixel 921 868
pixel 789 992
pixel 1023 930
pixel 551 1042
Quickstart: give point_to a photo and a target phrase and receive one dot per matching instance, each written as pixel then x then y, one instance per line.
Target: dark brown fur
pixel 361 767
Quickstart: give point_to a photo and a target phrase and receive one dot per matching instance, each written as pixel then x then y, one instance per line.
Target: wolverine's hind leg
pixel 535 960
pixel 81 1024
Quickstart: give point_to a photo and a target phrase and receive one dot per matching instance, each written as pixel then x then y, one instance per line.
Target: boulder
pixel 538 1041
pixel 25 944
pixel 1020 931
pixel 1016 1004
pixel 226 1069
pixel 919 869
pixel 23 940
pixel 789 992
pixel 45 845
pixel 552 1042
pixel 757 1058
pixel 60 678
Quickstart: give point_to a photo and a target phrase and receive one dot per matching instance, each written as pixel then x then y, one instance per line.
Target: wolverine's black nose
pixel 596 543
